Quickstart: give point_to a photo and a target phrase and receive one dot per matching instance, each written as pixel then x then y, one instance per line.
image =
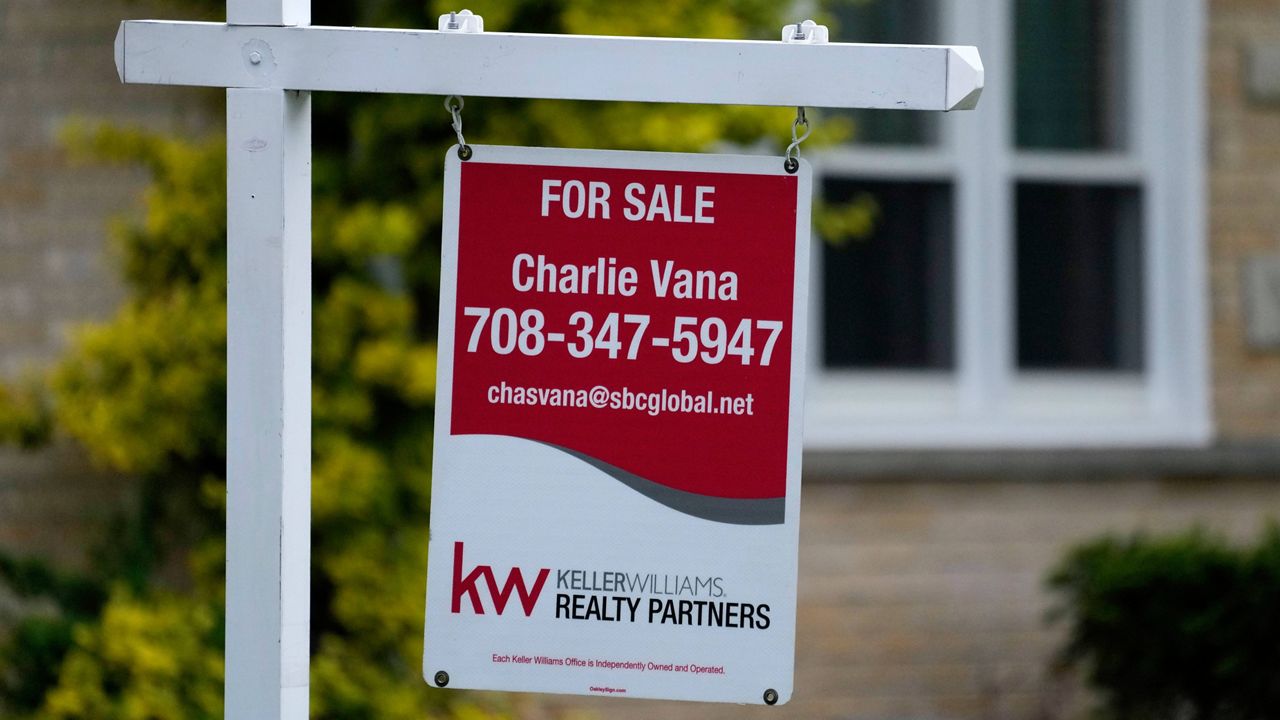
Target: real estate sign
pixel 616 486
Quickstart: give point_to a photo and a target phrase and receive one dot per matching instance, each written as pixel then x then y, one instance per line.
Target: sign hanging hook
pixel 792 162
pixel 801 33
pixel 454 105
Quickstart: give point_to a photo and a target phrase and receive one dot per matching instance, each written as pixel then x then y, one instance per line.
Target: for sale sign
pixel 616 487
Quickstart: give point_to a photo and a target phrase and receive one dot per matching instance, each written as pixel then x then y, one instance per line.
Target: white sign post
pixel 269 58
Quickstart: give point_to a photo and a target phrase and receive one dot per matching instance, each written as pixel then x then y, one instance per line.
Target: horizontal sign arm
pixel 570 67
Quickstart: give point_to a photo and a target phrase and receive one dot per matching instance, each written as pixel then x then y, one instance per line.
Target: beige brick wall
pixel 56 266
pixel 1244 216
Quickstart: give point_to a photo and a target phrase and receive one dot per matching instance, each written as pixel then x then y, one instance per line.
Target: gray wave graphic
pixel 732 511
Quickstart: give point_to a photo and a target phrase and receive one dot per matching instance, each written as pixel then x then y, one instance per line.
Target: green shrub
pixel 1184 626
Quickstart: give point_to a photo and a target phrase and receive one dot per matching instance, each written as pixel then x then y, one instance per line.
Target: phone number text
pixel 711 340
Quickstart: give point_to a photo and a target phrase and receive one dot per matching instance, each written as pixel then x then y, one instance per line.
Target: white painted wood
pixel 979 361
pixel 964 78
pixel 999 329
pixel 902 77
pixel 1146 18
pixel 1185 386
pixel 268 403
pixel 268 12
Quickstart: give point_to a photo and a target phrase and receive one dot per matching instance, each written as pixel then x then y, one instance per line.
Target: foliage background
pixel 1183 626
pixel 140 635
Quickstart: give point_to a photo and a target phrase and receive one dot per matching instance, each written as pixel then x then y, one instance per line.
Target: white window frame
pixel 985 401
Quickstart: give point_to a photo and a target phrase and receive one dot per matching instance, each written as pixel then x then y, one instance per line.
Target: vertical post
pixel 268 389
pixel 268 403
pixel 269 12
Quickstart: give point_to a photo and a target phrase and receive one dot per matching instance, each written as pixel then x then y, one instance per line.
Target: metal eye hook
pixel 454 105
pixel 792 162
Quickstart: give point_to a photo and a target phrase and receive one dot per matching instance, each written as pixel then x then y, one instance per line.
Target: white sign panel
pixel 616 488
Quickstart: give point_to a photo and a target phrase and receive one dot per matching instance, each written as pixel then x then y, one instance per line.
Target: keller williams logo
pixel 515 581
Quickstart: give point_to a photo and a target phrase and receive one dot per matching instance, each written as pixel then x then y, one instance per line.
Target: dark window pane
pixel 1079 278
pixel 888 21
pixel 887 296
pixel 1069 67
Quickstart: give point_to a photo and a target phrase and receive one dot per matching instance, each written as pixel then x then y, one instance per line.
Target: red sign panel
pixel 669 291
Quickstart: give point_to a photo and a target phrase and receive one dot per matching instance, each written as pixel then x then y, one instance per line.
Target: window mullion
pixel 1166 35
pixel 985 267
pixel 1148 142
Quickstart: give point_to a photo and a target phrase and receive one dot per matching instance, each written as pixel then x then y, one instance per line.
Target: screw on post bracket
pixel 463 21
pixel 442 678
pixel 805 33
pixel 770 697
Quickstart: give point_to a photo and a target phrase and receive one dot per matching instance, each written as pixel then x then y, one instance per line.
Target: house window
pixel 889 294
pixel 1078 277
pixel 1030 273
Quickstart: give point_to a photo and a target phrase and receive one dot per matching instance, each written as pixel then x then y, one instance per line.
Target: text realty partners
pixel 616 596
pixel 611 596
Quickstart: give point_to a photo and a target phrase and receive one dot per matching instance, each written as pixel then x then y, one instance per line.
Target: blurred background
pixel 1042 463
